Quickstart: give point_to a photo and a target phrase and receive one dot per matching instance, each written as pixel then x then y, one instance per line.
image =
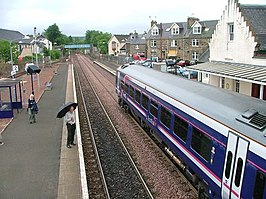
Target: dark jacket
pixel 32 105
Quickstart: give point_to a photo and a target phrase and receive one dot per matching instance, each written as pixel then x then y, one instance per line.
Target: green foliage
pixel 53 33
pixel 4 51
pixel 55 54
pixel 98 39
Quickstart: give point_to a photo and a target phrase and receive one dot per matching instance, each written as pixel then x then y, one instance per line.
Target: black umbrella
pixel 65 108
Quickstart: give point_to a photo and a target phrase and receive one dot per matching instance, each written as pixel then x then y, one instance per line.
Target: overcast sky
pixel 74 17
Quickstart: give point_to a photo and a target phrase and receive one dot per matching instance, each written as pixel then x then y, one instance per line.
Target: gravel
pixel 159 174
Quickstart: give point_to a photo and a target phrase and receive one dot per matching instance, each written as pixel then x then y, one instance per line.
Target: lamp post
pixel 36 53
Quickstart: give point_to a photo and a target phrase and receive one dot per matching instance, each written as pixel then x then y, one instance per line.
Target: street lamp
pixel 11 53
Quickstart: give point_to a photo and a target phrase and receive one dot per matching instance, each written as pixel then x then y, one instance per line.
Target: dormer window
pixel 175 31
pixel 197 28
pixel 155 31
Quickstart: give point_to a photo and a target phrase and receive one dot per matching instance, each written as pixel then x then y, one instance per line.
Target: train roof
pixel 230 108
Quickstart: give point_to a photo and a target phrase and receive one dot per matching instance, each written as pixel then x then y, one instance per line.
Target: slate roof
pixel 207 31
pixel 139 40
pixel 208 28
pixel 256 18
pixel 121 38
pixel 10 34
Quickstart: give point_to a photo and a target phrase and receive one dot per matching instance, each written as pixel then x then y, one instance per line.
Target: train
pixel 217 137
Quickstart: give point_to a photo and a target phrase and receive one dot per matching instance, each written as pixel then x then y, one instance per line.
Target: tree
pixel 98 39
pixel 53 33
pixel 4 51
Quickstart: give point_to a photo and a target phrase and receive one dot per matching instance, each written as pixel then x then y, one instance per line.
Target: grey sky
pixel 74 17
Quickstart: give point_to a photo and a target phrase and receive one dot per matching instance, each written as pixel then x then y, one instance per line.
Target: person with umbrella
pixel 71 126
pixel 67 111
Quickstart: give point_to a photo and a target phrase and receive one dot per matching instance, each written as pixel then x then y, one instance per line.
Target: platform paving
pixel 30 157
pixel 69 185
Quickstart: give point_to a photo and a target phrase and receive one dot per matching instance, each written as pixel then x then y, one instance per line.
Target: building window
pixel 201 143
pixel 153 43
pixel 195 42
pixel 231 31
pixel 137 47
pixel 197 30
pixel 174 43
pixel 237 86
pixel 195 56
pixel 175 31
pixel 155 31
pixel 222 82
pixel 180 128
pixel 165 117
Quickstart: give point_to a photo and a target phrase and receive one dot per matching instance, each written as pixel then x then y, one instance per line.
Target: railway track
pixel 111 171
pixel 148 138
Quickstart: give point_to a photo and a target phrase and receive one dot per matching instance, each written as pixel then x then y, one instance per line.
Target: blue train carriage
pixel 217 137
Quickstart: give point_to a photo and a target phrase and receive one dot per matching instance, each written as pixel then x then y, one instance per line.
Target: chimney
pixel 153 22
pixel 191 21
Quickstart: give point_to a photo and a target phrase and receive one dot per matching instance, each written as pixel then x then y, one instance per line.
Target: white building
pixel 117 45
pixel 238 51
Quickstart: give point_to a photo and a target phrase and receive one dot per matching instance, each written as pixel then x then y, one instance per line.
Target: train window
pixel 145 101
pixel 201 143
pixel 180 128
pixel 238 171
pixel 259 185
pixel 137 96
pixel 122 84
pixel 126 88
pixel 165 117
pixel 131 91
pixel 228 164
pixel 154 108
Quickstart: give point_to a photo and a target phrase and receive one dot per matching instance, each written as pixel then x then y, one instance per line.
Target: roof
pixel 139 40
pixel 208 29
pixel 10 35
pixel 220 104
pixel 121 38
pixel 255 16
pixel 8 82
pixel 243 72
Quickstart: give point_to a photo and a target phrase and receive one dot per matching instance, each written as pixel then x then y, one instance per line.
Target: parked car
pixel 184 63
pixel 193 74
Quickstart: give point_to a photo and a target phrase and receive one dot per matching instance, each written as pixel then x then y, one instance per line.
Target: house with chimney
pixel 117 45
pixel 238 51
pixel 180 40
pixel 137 44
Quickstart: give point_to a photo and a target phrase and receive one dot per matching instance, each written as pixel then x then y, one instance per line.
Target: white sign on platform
pixel 15 67
pixel 13 72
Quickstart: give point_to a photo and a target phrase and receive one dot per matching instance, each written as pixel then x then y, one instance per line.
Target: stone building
pixel 180 40
pixel 238 51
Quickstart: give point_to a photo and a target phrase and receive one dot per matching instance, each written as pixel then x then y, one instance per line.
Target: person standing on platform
pixel 32 109
pixel 71 126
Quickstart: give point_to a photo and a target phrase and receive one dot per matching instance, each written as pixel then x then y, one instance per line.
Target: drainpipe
pixel 261 91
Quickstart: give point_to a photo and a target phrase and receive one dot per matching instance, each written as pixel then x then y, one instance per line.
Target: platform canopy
pixel 244 72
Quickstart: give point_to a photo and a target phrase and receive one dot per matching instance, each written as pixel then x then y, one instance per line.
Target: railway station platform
pixel 34 161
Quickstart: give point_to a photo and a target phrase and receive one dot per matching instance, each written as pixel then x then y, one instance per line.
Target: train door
pixel 235 159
